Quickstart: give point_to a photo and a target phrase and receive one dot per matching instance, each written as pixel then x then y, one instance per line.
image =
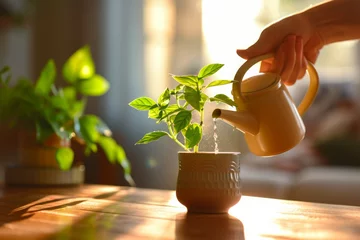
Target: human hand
pixel 294 41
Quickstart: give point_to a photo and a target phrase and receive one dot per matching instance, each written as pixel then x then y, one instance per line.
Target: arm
pixel 300 37
pixel 335 20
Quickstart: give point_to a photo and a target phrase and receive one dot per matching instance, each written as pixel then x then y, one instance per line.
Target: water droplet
pixel 215 137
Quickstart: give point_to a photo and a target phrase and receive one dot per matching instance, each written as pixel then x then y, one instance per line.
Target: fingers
pixel 266 65
pixel 312 48
pixel 303 68
pixel 312 55
pixel 290 59
pixel 298 61
pixel 279 61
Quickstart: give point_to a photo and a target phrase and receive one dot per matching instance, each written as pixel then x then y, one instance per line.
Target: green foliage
pixel 189 98
pixel 47 109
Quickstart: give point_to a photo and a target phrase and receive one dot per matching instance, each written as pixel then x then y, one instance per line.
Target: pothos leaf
pixel 93 86
pixel 109 147
pixel 88 128
pixel 46 79
pixel 80 65
pixel 64 157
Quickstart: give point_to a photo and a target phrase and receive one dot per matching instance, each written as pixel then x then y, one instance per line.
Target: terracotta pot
pixel 33 154
pixel 208 182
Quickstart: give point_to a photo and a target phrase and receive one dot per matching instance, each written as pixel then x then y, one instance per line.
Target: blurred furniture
pixel 325 167
pixel 322 184
pixel 110 212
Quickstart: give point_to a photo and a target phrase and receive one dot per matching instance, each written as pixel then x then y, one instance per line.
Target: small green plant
pixel 176 108
pixel 46 109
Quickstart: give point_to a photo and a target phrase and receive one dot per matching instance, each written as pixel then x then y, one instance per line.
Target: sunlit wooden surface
pixel 109 212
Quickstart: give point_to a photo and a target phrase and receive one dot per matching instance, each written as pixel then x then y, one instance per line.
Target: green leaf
pixel 152 136
pixel 209 70
pixel 204 98
pixel 65 158
pixel 59 102
pixel 90 147
pixel 224 99
pixel 193 97
pixel 93 86
pixel 88 128
pixel 174 108
pixel 164 99
pixel 171 108
pixel 69 93
pixel 109 147
pixel 201 82
pixel 43 130
pixel 177 89
pixel 143 103
pixel 155 113
pixel 80 65
pixel 182 120
pixel 46 79
pixel 187 80
pixel 218 83
pixel 193 135
pixel 122 159
pixel 103 128
pixel 77 108
pixel 181 96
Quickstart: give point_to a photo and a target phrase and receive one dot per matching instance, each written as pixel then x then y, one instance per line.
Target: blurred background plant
pixel 47 109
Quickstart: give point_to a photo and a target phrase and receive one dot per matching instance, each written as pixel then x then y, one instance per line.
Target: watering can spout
pixel 242 120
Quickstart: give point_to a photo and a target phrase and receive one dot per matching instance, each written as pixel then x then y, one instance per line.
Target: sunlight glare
pixel 269 218
pixel 228 25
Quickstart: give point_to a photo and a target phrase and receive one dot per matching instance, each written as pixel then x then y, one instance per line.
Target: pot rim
pixel 210 153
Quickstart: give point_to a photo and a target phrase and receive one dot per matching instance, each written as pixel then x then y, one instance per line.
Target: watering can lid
pixel 259 82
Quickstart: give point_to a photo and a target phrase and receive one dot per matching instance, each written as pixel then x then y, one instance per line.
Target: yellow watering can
pixel 265 110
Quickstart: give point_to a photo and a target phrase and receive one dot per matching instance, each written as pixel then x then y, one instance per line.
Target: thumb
pixel 258 48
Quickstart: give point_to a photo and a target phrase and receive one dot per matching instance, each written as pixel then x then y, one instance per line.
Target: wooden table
pixel 110 212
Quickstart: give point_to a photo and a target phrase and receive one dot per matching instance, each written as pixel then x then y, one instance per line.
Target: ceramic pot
pixel 33 154
pixel 38 165
pixel 208 182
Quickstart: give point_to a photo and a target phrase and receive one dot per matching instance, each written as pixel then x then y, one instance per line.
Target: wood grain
pixel 110 212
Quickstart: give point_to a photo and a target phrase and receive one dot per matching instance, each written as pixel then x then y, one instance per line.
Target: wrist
pixel 334 21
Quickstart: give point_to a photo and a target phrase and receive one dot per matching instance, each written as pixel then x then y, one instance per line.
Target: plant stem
pixel 179 143
pixel 196 147
pixel 201 118
pixel 173 136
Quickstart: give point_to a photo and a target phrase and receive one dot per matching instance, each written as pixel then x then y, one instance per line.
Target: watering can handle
pixel 310 93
